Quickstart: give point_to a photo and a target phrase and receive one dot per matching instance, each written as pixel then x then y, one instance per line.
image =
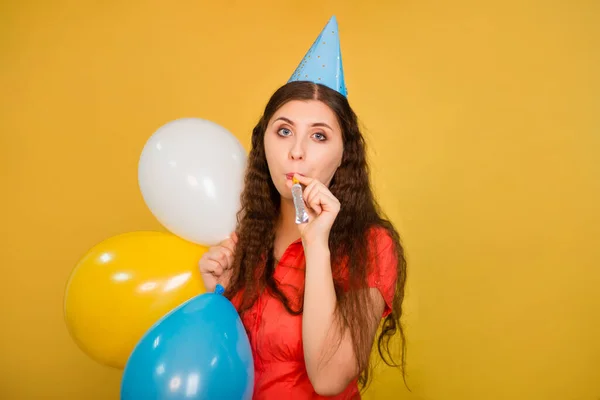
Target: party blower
pixel 199 350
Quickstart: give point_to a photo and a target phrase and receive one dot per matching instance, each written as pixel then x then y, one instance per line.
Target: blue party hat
pixel 323 61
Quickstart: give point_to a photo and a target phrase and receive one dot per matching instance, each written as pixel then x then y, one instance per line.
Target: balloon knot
pixel 219 289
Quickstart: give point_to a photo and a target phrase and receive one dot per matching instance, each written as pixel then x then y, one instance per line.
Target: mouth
pixel 291 175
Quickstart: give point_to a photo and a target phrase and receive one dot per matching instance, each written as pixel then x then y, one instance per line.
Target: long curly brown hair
pixel 254 263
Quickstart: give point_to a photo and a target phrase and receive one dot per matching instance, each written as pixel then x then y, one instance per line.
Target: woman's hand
pixel 215 265
pixel 322 208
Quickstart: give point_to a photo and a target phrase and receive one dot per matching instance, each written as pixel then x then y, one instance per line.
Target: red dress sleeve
pixel 382 272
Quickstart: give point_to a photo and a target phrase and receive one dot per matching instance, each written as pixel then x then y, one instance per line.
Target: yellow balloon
pixel 123 285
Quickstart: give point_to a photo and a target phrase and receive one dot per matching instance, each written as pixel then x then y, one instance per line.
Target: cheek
pixel 328 166
pixel 270 152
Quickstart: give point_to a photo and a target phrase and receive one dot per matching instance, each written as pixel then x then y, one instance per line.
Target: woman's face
pixel 303 137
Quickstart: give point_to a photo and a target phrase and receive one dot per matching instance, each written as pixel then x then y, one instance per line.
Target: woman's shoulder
pixel 382 272
pixel 382 257
pixel 380 253
pixel 379 239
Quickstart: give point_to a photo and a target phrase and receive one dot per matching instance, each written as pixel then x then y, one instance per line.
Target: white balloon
pixel 191 174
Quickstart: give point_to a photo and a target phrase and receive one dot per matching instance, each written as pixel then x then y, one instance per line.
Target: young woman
pixel 311 295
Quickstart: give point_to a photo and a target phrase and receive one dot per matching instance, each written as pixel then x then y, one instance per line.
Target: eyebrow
pixel 289 121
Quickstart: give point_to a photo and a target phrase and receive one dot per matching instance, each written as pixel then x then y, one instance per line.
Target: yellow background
pixel 483 116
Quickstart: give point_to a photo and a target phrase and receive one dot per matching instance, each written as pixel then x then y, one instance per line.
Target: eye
pixel 320 137
pixel 284 132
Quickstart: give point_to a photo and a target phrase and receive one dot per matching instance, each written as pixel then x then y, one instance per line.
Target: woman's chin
pixel 285 194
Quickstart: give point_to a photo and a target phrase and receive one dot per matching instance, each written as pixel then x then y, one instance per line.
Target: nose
pixel 297 149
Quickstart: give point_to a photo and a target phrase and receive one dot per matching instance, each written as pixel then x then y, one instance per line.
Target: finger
pixel 229 244
pixel 224 257
pixel 232 238
pixel 316 208
pixel 213 267
pixel 305 180
pixel 228 257
pixel 326 197
pixel 218 255
pixel 290 183
pixel 328 201
pixel 309 190
pixel 315 202
pixel 312 193
pixel 224 277
pixel 314 185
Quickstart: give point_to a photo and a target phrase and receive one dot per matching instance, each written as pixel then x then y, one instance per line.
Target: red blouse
pixel 276 336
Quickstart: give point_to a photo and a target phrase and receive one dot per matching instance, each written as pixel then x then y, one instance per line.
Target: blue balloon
pixel 199 350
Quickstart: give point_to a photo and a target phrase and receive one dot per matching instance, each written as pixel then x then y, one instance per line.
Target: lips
pixel 290 175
